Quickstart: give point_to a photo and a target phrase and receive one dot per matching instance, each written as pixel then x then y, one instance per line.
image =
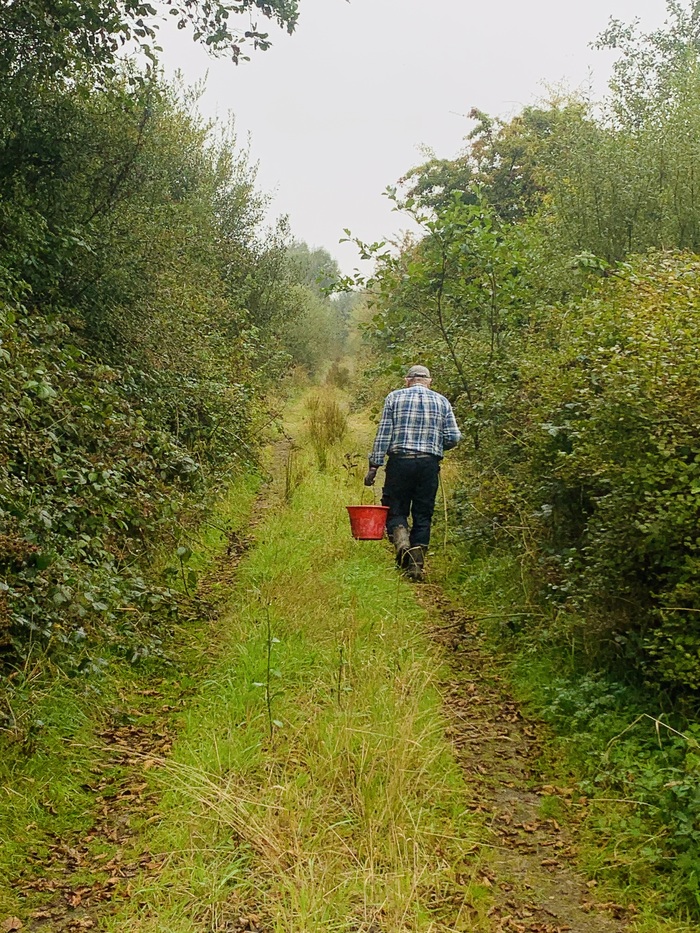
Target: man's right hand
pixel 371 476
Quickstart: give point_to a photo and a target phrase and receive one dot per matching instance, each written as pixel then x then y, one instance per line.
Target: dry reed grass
pixel 327 425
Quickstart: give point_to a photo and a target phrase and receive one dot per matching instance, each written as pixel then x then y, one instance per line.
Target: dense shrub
pixel 602 465
pixel 85 488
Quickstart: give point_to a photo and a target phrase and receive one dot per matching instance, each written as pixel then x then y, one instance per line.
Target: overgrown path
pixel 340 754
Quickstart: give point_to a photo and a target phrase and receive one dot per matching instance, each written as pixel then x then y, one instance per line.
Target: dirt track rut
pixel 531 864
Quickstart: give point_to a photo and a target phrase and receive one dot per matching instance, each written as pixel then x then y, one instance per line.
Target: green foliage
pixel 622 181
pixel 139 321
pixel 314 268
pixel 609 179
pixel 602 454
pixel 57 732
pixel 458 297
pixel 312 332
pixel 83 481
pixel 53 39
pixel 650 767
pixel 503 159
pixel 653 68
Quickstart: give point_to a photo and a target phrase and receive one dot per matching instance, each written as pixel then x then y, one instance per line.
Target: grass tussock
pixel 294 472
pixel 312 784
pixel 327 425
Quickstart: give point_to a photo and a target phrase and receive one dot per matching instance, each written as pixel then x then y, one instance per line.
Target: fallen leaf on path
pixel 12 923
pixel 617 910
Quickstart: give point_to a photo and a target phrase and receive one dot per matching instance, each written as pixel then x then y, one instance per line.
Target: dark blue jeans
pixel 410 488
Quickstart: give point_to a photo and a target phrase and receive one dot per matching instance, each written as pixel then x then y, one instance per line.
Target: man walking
pixel 416 427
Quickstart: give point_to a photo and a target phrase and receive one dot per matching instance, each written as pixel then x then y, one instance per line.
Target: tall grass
pixel 294 472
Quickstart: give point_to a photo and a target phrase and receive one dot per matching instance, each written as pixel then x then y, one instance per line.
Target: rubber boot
pixel 415 560
pixel 402 543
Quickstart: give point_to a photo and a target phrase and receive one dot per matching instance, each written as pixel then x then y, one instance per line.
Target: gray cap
pixel 418 372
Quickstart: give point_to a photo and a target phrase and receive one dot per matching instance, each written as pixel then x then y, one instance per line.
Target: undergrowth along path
pixel 76 792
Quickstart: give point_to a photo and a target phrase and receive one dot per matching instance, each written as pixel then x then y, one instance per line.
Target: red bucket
pixel 367 522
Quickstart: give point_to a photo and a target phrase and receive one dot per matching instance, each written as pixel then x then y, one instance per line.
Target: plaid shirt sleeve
pixel 384 434
pixel 451 435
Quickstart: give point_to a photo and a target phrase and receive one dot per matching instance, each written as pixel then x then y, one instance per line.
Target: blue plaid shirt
pixel 415 421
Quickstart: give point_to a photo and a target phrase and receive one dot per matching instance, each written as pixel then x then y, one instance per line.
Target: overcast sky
pixel 341 109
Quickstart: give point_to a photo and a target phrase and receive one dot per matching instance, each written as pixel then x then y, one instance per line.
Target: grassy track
pixel 311 787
